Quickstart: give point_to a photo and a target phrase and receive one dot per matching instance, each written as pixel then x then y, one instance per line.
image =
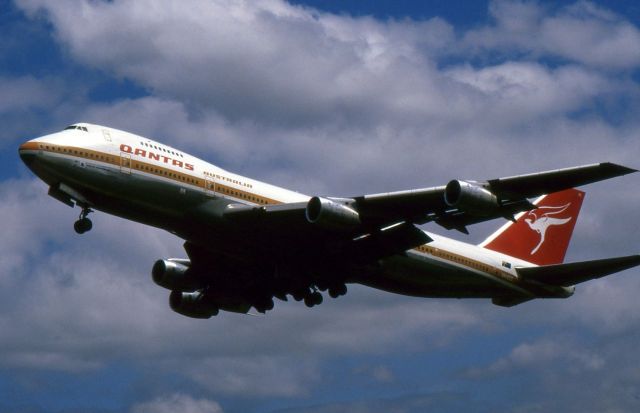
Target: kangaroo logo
pixel 540 219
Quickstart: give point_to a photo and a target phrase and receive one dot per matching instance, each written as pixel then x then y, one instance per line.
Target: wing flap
pixel 566 275
pixel 243 213
pixel 386 242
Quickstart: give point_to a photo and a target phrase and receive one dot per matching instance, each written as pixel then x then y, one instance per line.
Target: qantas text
pixel 148 154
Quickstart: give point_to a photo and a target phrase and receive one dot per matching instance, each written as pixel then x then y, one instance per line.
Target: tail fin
pixel 542 235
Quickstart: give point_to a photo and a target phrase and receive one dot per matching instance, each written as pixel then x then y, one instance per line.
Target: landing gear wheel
pixel 337 291
pixel 317 298
pixel 308 301
pixel 83 225
pixel 313 299
pixel 264 305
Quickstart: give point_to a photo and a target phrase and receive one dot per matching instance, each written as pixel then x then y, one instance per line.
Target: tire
pixel 86 224
pixel 337 291
pixel 308 301
pixel 82 225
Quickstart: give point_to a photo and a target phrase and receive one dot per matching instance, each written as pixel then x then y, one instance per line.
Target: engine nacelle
pixel 194 305
pixel 471 197
pixel 330 214
pixel 175 275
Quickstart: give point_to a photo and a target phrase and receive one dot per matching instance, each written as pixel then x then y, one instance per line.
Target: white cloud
pixel 259 376
pixel 259 60
pixel 27 237
pixel 525 92
pixel 177 403
pixel 560 366
pixel 582 32
pixel 608 306
pixel 540 355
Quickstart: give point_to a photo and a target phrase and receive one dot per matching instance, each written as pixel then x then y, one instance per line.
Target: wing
pixel 461 203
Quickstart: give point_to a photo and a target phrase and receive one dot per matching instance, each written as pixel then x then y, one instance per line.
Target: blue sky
pixel 325 97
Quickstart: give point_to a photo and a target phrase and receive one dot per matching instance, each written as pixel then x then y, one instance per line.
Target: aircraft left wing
pixel 461 203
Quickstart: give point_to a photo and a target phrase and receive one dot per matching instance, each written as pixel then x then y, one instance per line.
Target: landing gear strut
pixel 83 224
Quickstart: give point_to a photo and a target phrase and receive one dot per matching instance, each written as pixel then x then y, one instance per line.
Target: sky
pixel 336 98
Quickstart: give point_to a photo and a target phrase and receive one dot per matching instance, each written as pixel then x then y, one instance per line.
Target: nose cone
pixel 27 152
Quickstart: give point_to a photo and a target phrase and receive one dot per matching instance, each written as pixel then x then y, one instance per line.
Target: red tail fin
pixel 542 235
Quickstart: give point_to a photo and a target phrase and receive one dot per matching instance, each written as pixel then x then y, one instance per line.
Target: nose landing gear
pixel 83 224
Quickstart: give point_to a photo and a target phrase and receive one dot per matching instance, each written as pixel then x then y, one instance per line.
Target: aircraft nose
pixel 27 152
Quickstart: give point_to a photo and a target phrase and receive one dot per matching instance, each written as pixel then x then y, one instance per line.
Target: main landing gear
pixel 83 224
pixel 312 296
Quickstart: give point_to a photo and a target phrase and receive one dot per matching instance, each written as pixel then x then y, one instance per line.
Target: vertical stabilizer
pixel 542 235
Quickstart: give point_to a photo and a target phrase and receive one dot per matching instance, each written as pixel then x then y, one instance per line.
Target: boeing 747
pixel 249 242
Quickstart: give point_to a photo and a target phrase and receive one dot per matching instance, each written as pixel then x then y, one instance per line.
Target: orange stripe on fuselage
pixel 466 262
pixel 151 169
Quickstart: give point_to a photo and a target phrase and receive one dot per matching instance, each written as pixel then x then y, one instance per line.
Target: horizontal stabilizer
pixel 566 275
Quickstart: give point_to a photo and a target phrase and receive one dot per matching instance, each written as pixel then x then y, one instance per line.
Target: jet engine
pixel 330 214
pixel 174 274
pixel 472 197
pixel 194 305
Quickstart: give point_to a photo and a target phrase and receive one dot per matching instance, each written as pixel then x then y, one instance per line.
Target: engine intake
pixel 175 275
pixel 330 214
pixel 194 305
pixel 471 197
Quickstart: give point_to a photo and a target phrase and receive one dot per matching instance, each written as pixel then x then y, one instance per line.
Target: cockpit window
pixel 82 128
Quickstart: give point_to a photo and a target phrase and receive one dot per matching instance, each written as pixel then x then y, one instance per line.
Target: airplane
pixel 249 242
